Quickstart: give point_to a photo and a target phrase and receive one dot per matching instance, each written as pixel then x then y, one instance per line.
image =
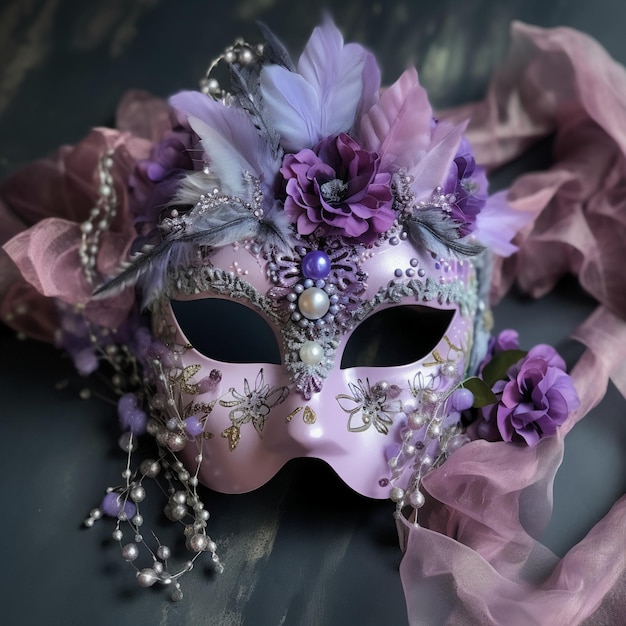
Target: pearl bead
pixel 416 499
pixel 396 494
pixel 456 442
pixel 137 494
pixel 178 512
pixel 430 397
pixel 130 551
pixel 198 542
pixel 117 535
pixel 127 442
pixel 147 577
pixel 150 468
pixel 435 430
pixel 313 303
pixel 448 370
pixel 416 421
pixel 180 497
pixel 163 552
pixel 311 353
pixel 176 442
pixel 316 265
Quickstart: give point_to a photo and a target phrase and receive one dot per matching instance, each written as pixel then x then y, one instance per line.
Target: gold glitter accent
pixel 293 414
pixel 309 416
pixel 233 434
pixel 451 345
pixel 184 377
pixel 439 360
pixel 207 435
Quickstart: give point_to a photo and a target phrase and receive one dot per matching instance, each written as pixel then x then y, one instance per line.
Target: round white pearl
pixel 198 542
pixel 311 353
pixel 147 577
pixel 416 499
pixel 313 303
pixel 163 552
pixel 130 551
pixel 138 494
pixel 416 421
pixel 396 494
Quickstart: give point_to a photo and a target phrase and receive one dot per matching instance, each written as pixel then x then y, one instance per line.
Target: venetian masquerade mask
pixel 346 225
pixel 306 260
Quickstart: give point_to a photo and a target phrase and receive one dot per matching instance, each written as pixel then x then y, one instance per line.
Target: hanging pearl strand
pixel 100 217
pixel 425 446
pixel 183 504
pixel 240 53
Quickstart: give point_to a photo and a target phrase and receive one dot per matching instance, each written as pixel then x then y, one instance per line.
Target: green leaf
pixel 497 368
pixel 483 396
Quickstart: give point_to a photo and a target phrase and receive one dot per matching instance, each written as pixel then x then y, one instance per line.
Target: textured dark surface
pixel 304 549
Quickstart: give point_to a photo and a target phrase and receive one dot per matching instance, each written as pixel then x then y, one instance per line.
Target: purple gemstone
pixel 193 426
pixel 316 265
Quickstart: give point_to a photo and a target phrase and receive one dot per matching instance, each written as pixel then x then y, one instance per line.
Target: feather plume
pixel 274 51
pixel 398 126
pixel 212 229
pixel 437 232
pixel 192 186
pixel 245 85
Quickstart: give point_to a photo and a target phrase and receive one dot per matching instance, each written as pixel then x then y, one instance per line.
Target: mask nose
pixel 308 428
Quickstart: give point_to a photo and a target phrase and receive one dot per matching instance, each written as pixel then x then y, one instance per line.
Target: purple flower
pixel 537 397
pixel 468 183
pixel 505 340
pixel 336 189
pixel 156 180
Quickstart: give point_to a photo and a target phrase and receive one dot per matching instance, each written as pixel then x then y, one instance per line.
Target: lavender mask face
pixel 370 384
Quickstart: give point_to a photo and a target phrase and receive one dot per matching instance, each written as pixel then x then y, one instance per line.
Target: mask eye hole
pixel 396 336
pixel 225 330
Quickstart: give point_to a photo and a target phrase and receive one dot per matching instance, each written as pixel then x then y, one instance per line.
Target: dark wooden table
pixel 304 549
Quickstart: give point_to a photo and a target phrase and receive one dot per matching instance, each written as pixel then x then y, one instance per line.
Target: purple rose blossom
pixel 336 189
pixel 469 184
pixel 537 397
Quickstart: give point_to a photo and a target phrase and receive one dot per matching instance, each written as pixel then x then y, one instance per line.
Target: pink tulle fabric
pixel 39 260
pixel 474 557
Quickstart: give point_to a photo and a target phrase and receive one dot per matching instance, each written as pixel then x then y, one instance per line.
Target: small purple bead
pixel 462 399
pixel 316 265
pixel 112 505
pixel 193 426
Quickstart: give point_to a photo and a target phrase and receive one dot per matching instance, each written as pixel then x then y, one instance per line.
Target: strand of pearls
pixel 240 53
pixel 100 217
pixel 183 505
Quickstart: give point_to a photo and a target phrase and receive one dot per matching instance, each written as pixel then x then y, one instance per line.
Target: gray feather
pixel 274 51
pixel 246 88
pixel 437 232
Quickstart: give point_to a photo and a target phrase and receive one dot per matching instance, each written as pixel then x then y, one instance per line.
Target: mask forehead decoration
pixel 340 229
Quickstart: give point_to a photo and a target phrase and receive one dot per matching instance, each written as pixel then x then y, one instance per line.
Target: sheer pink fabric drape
pixel 474 558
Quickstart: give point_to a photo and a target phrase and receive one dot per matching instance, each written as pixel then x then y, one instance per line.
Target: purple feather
pixel 398 127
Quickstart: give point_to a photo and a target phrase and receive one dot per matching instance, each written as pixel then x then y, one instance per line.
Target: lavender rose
pixel 336 189
pixel 537 397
